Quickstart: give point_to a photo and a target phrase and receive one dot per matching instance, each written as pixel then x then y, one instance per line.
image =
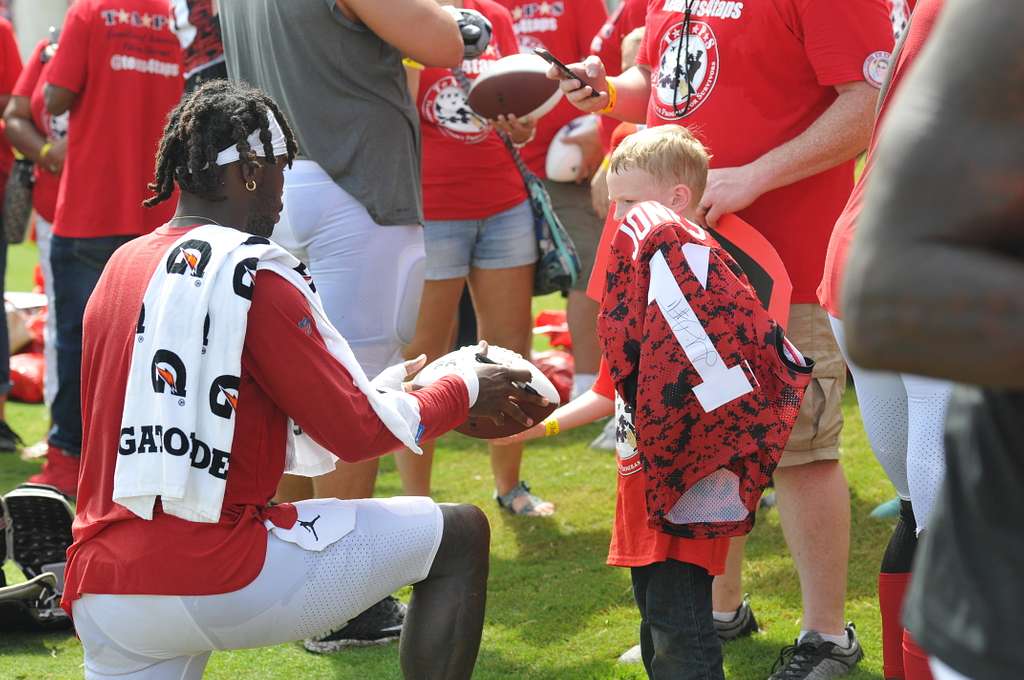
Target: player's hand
pixel 599 192
pixel 394 377
pixel 519 130
pixel 589 142
pixel 590 70
pixel 499 396
pixel 729 190
pixel 54 161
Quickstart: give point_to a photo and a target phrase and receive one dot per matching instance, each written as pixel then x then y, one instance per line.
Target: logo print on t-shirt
pixel 876 68
pixel 189 258
pixel 625 439
pixel 224 395
pixel 168 370
pixel 444 105
pixel 692 75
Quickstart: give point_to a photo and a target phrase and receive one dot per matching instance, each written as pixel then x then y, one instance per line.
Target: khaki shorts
pixel 572 205
pixel 816 433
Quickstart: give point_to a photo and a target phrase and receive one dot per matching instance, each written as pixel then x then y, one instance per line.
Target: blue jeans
pixel 77 264
pixel 677 630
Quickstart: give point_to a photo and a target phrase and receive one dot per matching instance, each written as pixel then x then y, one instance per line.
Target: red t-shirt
pixel 829 292
pixel 565 28
pixel 124 63
pixel 10 69
pixel 634 543
pixel 607 45
pixel 763 72
pixel 468 173
pixel 115 551
pixel 31 84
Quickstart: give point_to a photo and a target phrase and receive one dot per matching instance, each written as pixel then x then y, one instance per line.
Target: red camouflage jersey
pixel 714 386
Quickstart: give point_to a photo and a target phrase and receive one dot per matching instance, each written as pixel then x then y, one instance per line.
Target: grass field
pixel 554 609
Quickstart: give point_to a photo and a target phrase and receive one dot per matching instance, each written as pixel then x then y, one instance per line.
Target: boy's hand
pixel 590 70
pixel 535 432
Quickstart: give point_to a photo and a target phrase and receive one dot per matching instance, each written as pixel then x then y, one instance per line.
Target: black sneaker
pixel 378 625
pixel 815 659
pixel 742 625
pixel 41 517
pixel 9 439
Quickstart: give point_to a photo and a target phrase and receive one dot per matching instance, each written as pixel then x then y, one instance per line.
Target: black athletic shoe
pixel 815 659
pixel 9 439
pixel 378 625
pixel 742 625
pixel 41 517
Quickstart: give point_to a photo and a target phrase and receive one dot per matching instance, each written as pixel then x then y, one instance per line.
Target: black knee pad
pixel 899 554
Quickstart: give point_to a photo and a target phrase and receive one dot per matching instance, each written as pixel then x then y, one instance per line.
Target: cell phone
pixel 565 71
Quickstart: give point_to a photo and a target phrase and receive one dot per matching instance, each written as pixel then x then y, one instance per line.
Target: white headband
pixel 277 141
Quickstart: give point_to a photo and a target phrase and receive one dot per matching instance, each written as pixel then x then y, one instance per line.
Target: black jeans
pixel 5 343
pixel 77 264
pixel 677 630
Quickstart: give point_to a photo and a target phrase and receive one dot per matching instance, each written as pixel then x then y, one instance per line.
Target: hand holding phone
pixel 563 69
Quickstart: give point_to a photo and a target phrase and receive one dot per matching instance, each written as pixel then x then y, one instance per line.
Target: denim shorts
pixel 500 241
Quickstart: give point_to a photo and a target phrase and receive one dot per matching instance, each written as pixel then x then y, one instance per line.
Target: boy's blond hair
pixel 669 153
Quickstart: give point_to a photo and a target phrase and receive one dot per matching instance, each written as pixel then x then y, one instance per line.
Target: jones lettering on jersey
pixel 720 384
pixel 174 441
pixel 639 222
pixel 719 9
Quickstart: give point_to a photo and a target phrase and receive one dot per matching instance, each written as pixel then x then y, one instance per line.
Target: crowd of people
pixel 185 149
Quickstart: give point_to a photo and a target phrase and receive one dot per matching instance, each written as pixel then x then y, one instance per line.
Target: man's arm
pixel 632 89
pixel 838 135
pixel 935 280
pixel 420 29
pixel 58 99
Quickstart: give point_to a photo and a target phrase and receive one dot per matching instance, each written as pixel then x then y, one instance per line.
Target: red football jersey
pixel 198 30
pixel 713 384
pixel 754 76
pixel 468 174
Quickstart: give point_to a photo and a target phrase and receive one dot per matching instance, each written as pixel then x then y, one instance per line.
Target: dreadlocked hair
pixel 209 119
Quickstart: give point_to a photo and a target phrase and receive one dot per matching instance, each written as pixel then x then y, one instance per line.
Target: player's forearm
pixel 839 134
pixel 633 91
pixel 935 277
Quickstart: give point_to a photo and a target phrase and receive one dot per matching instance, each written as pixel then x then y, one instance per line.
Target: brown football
pixel 516 85
pixel 484 428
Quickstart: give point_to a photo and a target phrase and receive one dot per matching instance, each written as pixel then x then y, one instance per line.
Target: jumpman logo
pixel 308 526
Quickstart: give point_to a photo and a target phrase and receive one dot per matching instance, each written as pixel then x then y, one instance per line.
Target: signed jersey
pixel 713 385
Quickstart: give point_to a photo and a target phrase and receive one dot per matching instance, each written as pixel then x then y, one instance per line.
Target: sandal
pixel 532 506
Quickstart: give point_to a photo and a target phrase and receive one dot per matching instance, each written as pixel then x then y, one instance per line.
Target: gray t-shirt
pixel 343 91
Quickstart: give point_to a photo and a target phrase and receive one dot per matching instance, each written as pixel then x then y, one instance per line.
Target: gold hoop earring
pixel 250 185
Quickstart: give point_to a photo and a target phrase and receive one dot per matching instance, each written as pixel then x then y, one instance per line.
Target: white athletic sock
pixel 838 640
pixel 725 616
pixel 581 382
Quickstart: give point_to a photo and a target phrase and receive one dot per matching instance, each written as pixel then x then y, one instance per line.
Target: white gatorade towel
pixel 178 421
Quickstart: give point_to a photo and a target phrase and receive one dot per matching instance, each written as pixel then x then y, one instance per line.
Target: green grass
pixel 554 609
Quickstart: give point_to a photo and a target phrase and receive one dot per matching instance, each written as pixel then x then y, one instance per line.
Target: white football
pixel 464 359
pixel 564 159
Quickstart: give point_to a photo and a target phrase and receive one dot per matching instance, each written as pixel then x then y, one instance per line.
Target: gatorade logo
pixel 306 276
pixel 245 277
pixel 189 258
pixel 140 327
pixel 224 396
pixel 168 370
pixel 147 439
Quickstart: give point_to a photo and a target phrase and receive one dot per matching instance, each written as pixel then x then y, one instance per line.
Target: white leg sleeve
pixel 927 401
pixel 883 409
